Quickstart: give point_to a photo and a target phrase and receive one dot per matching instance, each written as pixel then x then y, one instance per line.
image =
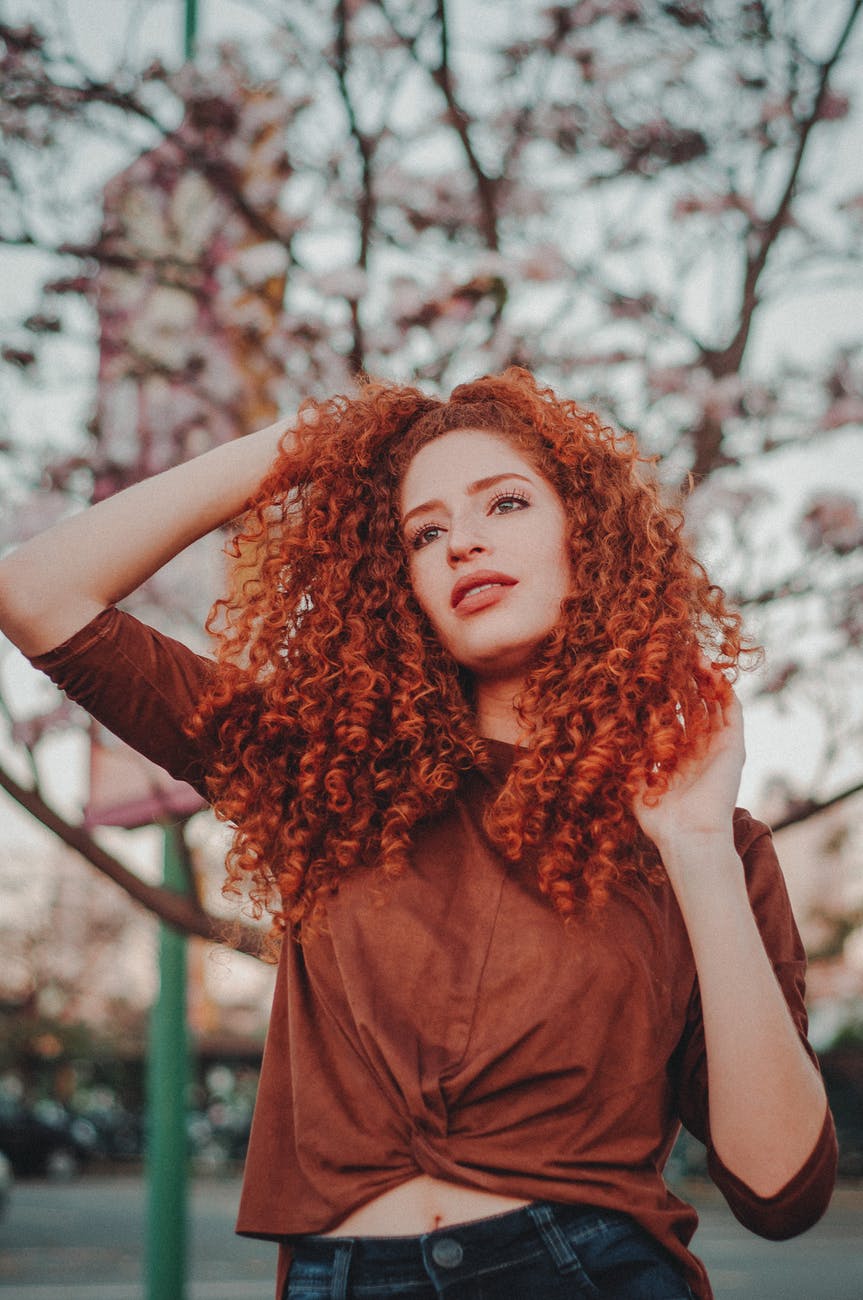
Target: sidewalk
pixel 83 1241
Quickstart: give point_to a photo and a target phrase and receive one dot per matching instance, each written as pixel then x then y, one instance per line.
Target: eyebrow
pixel 479 485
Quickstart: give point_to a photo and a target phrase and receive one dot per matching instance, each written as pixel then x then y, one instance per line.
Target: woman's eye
pixel 506 502
pixel 422 537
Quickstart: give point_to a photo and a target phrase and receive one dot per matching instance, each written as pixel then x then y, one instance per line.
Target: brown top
pixel 449 1024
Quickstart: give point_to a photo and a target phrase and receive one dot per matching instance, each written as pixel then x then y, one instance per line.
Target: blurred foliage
pixel 632 199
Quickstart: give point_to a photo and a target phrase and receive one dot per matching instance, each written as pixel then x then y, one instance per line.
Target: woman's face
pixel 486 540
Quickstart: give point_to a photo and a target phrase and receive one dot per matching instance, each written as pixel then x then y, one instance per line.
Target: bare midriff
pixel 420 1205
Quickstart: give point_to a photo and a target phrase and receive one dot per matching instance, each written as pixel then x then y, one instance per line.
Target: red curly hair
pixel 342 723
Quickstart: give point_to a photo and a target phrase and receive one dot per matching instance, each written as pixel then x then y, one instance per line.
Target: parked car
pixel 44 1139
pixel 119 1135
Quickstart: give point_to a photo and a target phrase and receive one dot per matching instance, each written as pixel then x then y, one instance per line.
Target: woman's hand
pixel 702 793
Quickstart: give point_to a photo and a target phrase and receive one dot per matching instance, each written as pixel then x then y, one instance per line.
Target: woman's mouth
pixel 477 590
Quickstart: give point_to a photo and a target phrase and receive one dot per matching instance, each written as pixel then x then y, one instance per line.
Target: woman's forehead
pixel 464 451
pixel 461 460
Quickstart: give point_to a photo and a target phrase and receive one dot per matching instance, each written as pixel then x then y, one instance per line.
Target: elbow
pixel 779 1220
pixel 796 1206
pixel 41 604
pixel 34 611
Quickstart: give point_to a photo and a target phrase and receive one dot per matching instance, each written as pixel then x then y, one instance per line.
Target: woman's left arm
pixel 766 1100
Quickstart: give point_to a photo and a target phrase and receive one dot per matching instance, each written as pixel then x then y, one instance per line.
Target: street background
pixel 83 1241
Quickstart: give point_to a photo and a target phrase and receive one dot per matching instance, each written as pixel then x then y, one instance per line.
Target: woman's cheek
pixel 431 603
pixel 423 585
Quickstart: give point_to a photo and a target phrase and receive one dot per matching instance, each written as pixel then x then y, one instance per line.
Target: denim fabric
pixel 556 1252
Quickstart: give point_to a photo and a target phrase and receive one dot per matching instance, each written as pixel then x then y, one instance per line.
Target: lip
pixel 481 578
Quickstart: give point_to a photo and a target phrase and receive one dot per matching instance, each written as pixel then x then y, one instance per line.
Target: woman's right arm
pixel 58 581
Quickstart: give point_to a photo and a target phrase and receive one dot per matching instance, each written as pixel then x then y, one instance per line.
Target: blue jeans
pixel 547 1251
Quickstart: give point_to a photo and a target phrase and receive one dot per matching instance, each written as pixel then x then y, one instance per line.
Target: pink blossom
pixel 343 282
pixel 834 107
pixel 781 674
pixel 672 379
pixel 833 521
pixel 847 409
pixel 543 264
pixel 772 110
pixel 29 731
pixel 688 205
pixel 22 358
pixel 853 205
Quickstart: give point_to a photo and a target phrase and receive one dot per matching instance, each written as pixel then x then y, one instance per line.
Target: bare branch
pixel 487 186
pixel 182 912
pixel 802 809
pixel 728 360
pixel 366 200
pixel 708 435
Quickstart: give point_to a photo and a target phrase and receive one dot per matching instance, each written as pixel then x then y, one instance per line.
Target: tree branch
pixel 70 101
pixel 708 435
pixel 728 360
pixel 442 77
pixel 182 912
pixel 486 187
pixel 366 203
pixel 801 810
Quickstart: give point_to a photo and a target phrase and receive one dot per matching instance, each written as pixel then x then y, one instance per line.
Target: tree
pixel 628 198
pixel 61 944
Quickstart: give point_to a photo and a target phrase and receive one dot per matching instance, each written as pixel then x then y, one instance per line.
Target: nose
pixel 463 542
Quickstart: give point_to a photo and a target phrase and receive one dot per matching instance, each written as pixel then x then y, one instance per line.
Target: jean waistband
pixel 498 1230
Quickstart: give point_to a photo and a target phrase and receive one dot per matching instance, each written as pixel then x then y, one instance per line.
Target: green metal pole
pixel 168 1078
pixel 169 1065
pixel 191 29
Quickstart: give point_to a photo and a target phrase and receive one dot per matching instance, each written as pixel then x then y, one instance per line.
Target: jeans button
pixel 447 1253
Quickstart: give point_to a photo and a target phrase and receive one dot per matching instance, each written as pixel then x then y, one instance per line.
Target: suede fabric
pixel 448 1023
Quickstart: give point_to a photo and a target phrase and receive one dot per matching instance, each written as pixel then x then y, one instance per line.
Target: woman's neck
pixel 496 716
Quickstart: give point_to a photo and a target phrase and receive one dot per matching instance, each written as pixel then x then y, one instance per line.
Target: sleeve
pixel 140 684
pixel 802 1201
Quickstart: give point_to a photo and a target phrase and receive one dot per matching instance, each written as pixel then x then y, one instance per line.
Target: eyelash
pixel 416 542
pixel 509 494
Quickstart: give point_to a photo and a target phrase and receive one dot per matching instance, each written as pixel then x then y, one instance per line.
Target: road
pixel 826 1263
pixel 82 1241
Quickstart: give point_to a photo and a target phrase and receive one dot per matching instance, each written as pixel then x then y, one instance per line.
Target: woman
pixel 472 725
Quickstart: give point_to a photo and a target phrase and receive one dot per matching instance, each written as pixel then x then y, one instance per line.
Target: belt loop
pixel 341 1269
pixel 559 1247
